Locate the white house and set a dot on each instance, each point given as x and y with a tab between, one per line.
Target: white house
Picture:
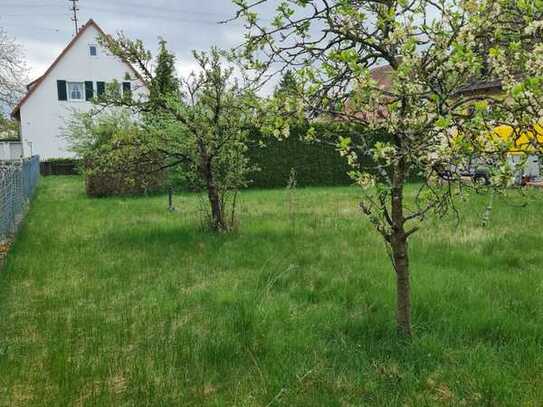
78	74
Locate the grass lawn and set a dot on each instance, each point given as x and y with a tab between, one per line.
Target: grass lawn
118	302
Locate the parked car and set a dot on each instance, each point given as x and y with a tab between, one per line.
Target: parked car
479	174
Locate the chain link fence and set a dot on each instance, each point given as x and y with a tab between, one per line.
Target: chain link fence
18	179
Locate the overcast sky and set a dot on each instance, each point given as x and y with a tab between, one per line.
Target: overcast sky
44	27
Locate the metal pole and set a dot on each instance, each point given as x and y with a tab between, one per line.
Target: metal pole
75	17
170	199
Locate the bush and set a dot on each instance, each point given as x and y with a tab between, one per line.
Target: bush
137	180
114	162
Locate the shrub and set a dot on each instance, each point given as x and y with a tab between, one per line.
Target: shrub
113	163
138	179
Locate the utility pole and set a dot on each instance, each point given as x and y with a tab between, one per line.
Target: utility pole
74	8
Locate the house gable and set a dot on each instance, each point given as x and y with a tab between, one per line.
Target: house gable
89	32
79	73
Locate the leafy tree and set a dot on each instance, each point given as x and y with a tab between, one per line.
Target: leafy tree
12	71
9	129
201	126
403	69
165	81
516	56
287	84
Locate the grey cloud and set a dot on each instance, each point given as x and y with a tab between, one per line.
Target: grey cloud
43	27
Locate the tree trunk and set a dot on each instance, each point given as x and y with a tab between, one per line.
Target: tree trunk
403	288
217	215
400	254
218	222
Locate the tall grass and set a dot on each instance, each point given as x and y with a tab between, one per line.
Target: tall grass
122	302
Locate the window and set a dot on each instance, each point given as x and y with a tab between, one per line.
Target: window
127	88
89	90
100	88
76	91
92	50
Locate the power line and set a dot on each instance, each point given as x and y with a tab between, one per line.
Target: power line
118	6
39	14
162	9
139	10
34	27
138	15
33	6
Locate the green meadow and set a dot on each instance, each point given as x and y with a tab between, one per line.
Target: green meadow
120	302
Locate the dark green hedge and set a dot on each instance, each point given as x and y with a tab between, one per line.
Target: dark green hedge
59	166
315	163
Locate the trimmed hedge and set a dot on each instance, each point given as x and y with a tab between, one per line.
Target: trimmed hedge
315	163
64	166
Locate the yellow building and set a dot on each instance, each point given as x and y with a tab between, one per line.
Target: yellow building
527	145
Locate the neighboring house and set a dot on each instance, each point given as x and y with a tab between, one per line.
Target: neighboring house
532	168
79	73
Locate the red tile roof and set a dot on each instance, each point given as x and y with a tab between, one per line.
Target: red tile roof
382	75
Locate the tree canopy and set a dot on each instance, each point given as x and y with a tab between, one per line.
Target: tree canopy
12	71
405	68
